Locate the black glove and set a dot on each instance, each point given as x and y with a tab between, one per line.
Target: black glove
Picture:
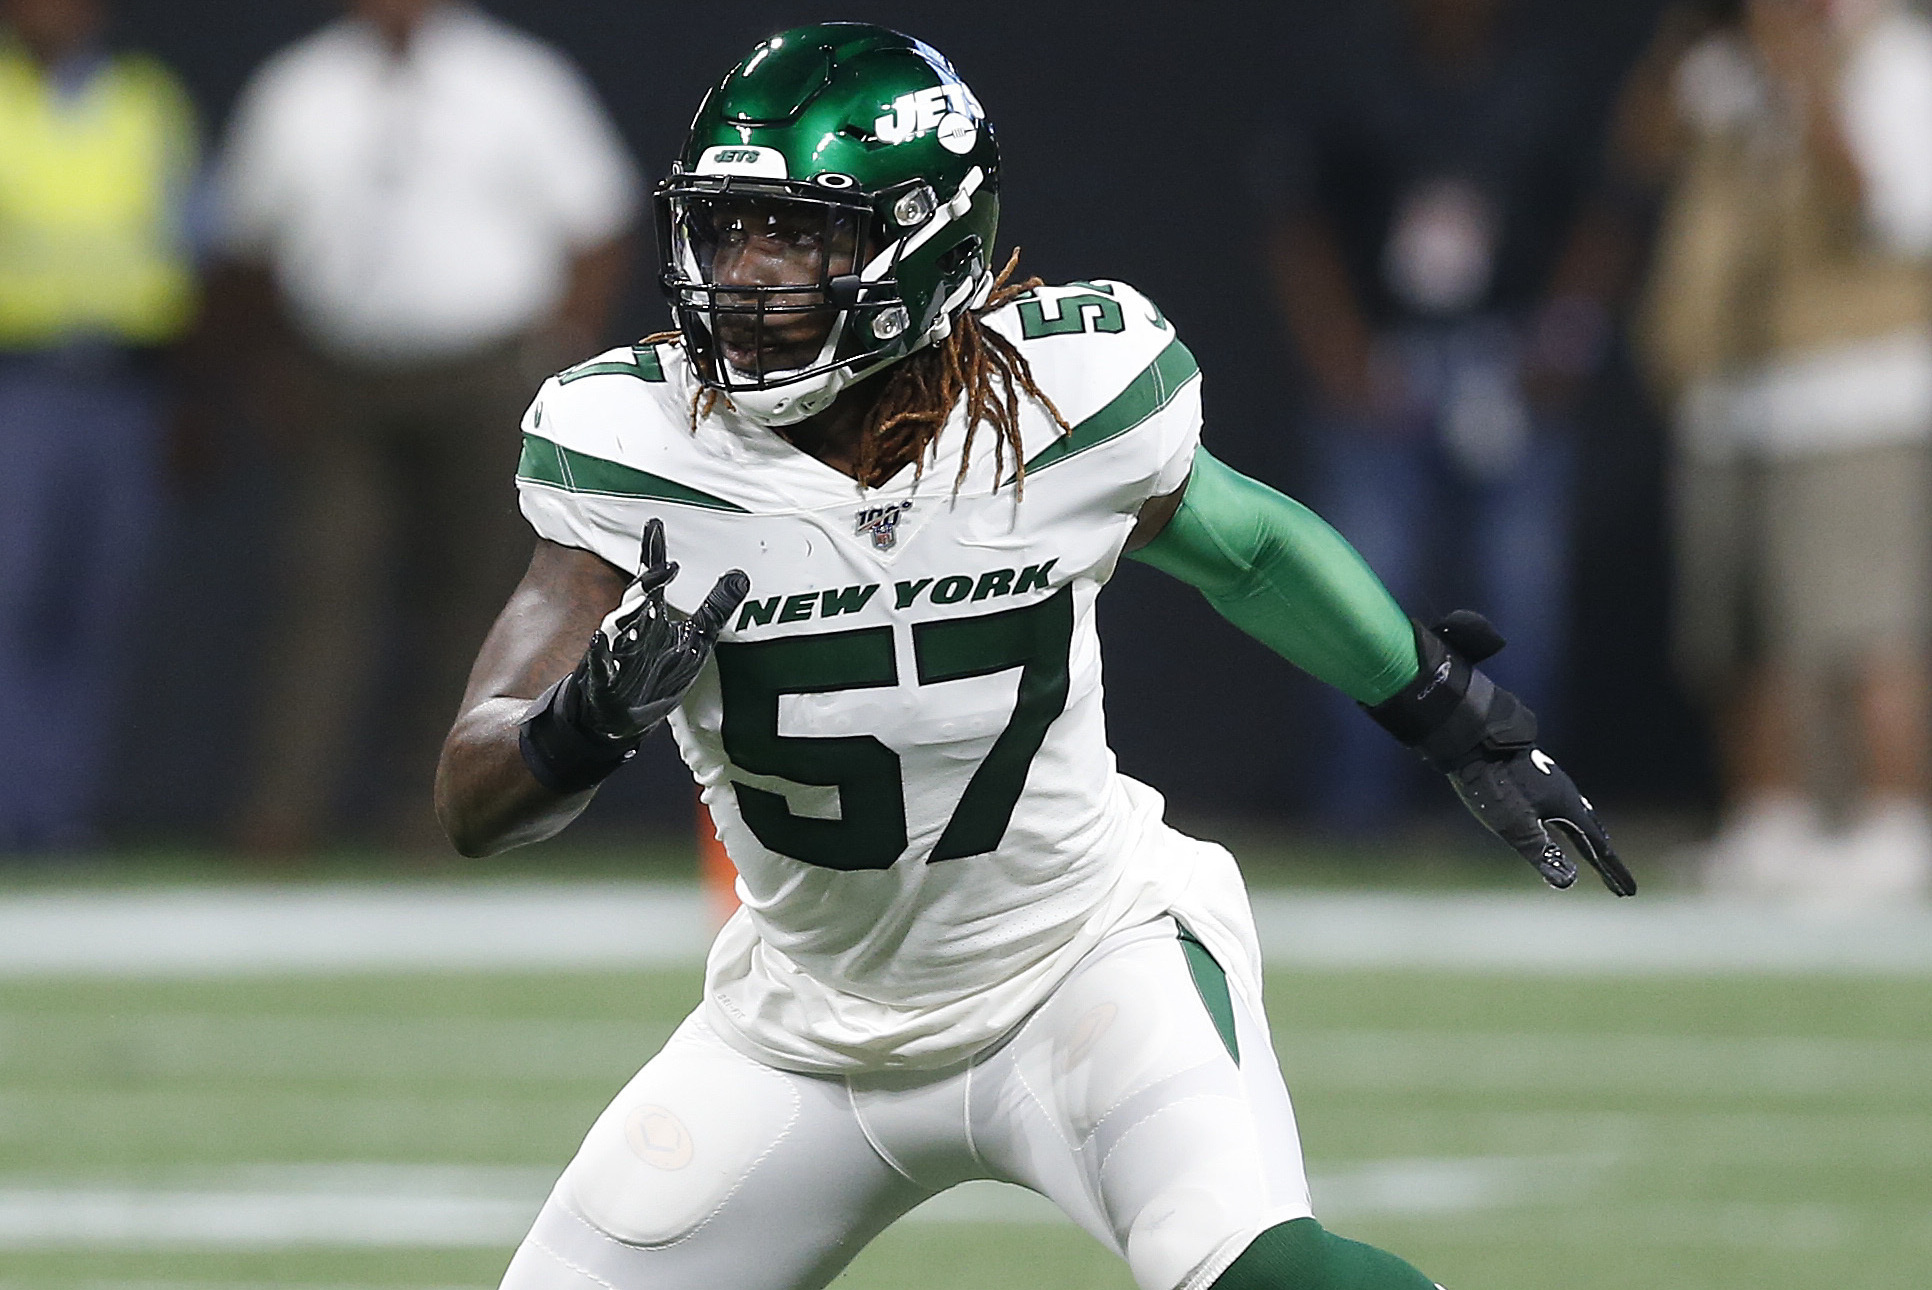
635	671
1484	739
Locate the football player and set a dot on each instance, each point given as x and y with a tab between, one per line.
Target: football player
843	530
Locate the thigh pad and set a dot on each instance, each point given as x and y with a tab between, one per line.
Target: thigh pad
680	1139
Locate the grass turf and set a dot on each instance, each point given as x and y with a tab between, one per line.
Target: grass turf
1500	1132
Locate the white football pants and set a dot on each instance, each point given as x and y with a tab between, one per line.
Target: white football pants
1118	1099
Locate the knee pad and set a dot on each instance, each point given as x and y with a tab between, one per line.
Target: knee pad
1302	1255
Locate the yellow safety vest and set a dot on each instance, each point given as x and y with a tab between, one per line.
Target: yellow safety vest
92	199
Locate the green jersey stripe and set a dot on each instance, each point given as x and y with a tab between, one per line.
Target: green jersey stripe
1211	983
644	365
1145	395
545	462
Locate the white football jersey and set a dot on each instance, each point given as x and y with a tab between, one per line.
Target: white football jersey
900	736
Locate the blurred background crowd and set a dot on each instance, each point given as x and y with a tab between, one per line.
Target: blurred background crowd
1613	322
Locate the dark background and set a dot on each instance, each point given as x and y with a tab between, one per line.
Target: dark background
1135	139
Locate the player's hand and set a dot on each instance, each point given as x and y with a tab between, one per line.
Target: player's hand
642	660
1484	739
639	664
1527	800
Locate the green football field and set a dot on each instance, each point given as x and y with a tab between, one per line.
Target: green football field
1766	1132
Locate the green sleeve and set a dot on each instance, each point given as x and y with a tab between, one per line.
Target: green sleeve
1276	570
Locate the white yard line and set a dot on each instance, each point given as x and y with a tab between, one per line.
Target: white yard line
278	1207
123	1219
258	931
1829	1071
1582	932
368	1049
242	931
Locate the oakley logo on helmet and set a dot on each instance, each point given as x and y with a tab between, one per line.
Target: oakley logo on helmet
761	163
949	109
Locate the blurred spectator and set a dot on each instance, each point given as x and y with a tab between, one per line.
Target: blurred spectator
440	211
1791	327
97	156
1447	267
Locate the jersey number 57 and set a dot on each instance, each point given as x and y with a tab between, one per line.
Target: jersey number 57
870	832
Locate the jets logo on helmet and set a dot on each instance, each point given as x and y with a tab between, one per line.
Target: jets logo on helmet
951	110
864	144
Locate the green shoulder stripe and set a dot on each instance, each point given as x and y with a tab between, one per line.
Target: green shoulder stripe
1145	395
545	462
644	365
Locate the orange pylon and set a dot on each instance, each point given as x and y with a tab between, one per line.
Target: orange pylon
715	870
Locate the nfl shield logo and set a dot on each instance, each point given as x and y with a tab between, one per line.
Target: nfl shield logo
882	522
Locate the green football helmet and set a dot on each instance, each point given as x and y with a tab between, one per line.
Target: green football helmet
867	142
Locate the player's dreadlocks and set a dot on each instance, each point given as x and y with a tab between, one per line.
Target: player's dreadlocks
919	395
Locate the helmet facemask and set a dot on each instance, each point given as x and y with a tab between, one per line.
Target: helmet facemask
783	350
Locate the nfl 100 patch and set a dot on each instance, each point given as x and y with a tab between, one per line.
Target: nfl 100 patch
882	522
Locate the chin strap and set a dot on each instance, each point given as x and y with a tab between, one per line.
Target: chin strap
761	407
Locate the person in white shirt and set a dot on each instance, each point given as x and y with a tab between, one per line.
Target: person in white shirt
437	212
1791	328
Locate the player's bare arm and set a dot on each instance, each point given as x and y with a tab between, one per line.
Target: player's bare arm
486	797
541	729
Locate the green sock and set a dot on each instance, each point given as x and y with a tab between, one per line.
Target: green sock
1300	1255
